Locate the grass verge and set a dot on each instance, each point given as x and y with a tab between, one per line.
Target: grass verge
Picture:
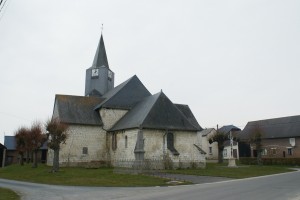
7	194
242	171
78	176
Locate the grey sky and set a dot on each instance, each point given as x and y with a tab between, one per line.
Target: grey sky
230	61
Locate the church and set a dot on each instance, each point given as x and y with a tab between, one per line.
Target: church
111	124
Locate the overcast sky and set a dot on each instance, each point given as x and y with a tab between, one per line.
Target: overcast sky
230	61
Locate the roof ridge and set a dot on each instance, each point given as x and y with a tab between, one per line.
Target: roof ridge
174	106
114	91
150	108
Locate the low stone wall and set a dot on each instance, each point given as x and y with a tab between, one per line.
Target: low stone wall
151	165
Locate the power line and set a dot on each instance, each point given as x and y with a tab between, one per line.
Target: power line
14	116
2	7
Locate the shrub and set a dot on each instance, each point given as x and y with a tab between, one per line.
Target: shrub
271	161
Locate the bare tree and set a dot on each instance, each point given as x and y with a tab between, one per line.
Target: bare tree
256	134
21	136
36	140
220	138
57	135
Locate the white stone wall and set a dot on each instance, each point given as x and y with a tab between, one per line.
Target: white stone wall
79	136
123	152
155	145
184	144
214	146
111	116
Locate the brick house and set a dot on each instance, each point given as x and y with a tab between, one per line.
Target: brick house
280	137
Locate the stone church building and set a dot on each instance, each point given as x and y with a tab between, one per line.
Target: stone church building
112	124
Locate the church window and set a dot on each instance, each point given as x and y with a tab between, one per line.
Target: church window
126	141
290	152
170	144
84	150
114	141
210	150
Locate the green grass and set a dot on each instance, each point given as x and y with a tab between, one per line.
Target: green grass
78	176
242	171
106	177
7	194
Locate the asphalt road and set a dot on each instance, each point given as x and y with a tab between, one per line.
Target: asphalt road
282	187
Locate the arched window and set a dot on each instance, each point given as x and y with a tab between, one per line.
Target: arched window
126	141
114	141
170	144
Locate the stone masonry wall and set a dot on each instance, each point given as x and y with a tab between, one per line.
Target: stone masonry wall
155	145
111	116
92	138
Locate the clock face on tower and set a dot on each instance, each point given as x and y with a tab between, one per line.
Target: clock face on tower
95	72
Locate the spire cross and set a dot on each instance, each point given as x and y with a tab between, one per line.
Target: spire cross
101	28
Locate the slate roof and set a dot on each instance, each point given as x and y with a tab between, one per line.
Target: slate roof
125	95
2	146
206	131
10	143
155	112
94	92
227	143
78	109
284	127
185	109
100	58
226	129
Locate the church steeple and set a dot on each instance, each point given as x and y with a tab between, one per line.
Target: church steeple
100	58
99	78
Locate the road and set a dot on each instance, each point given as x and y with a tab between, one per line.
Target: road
276	187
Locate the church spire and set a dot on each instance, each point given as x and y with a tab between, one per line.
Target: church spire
100	58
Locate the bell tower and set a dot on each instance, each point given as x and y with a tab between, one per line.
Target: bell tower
99	78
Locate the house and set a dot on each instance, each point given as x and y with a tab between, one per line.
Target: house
125	123
2	155
233	130
210	149
12	155
280	137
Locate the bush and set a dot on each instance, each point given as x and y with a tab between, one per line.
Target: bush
271	161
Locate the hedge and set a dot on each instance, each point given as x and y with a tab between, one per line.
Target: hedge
271	161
